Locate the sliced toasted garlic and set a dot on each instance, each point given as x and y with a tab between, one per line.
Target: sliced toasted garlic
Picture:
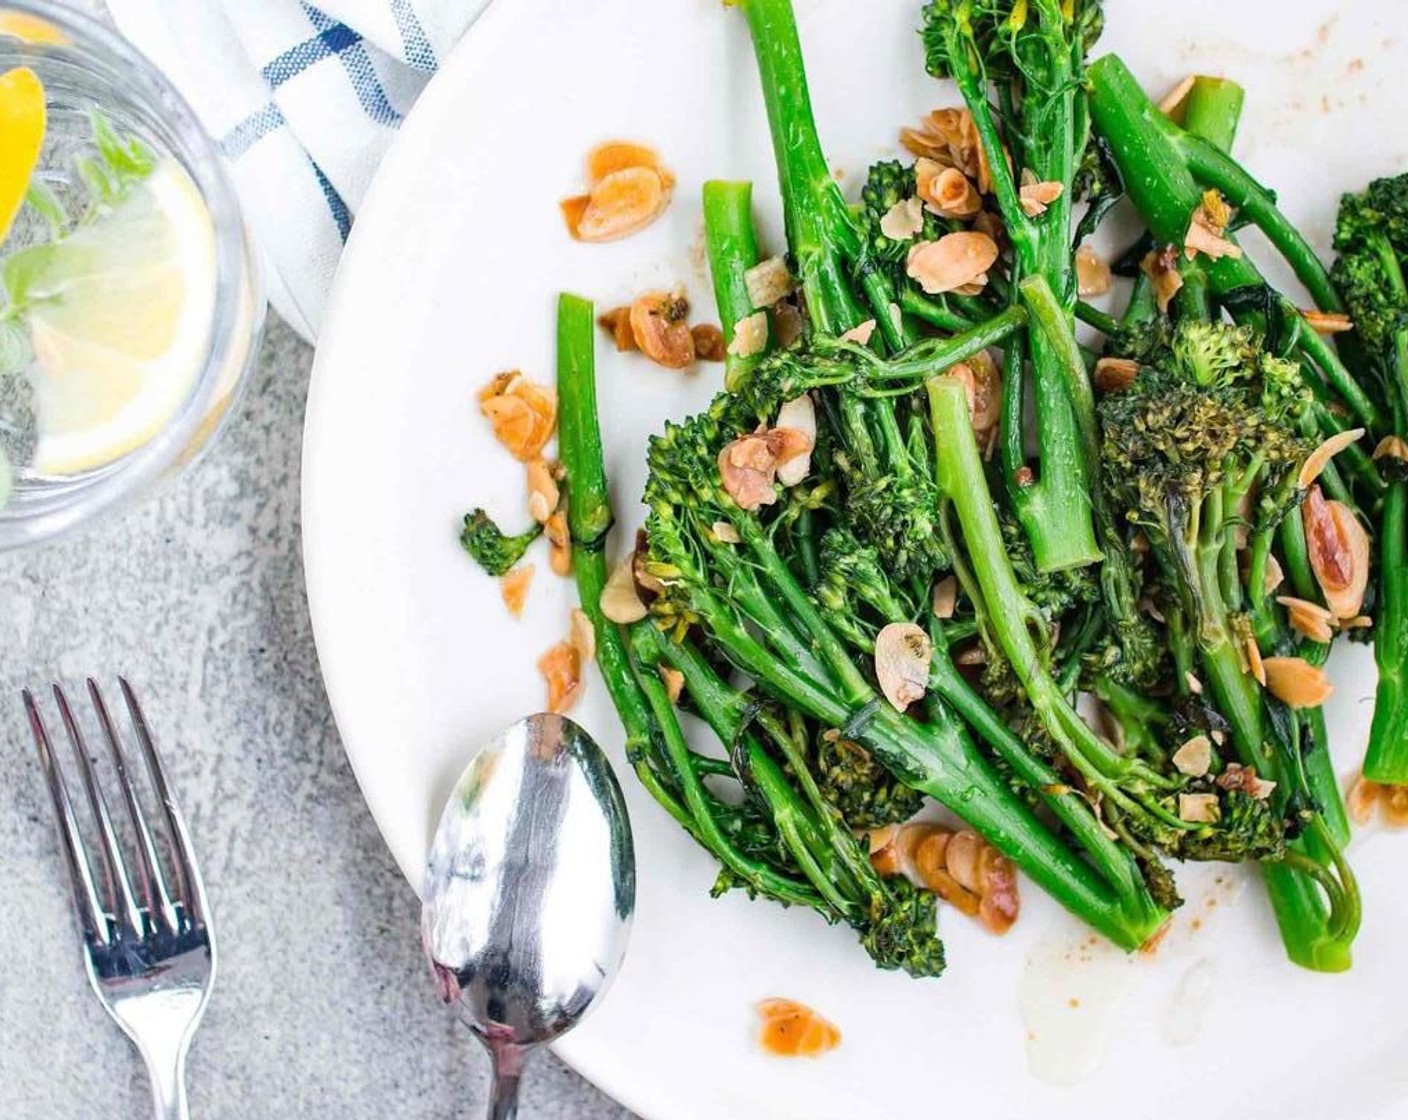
1392	447
1206	229
708	342
522	413
1173	100
619	204
674	682
884	851
1244	778
1161	267
1194	757
617	323
659	321
1036	197
945	597
620	601
1339	552
1308	619
543	492
1199	808
903	220
1328	322
750	335
797	415
618	155
903	654
1296	682
1318	459
860	333
749	465
1093	275
931	868
946	191
1273	576
582	634
560	540
769	281
725	533
1114	375
951	262
1362	799
561	667
513	586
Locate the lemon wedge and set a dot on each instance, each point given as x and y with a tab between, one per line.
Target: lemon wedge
22	121
119	317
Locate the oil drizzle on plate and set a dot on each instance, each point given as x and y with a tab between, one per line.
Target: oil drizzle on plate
1183	1017
1069	993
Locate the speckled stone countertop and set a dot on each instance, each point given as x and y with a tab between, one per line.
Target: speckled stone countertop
322	1007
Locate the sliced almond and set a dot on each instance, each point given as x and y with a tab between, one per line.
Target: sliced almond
583	634
674	682
1328	322
1358	622
903	220
620	601
1318	459
1036	197
953	261
708	342
1195	686
617	323
618	155
725	533
769	281
1199	808
748	468
514	588
1114	375
1308	619
1362	799
1173	100
1194	757
946	191
1206	229
1161	267
1256	666
543	492
560	540
903	654
750	335
572	211
561	668
1296	682
1093	275
861	333
1244	778
620	204
659	321
882	849
788	323
523	414
945	597
797	415
1392	447
1274	576
1339	552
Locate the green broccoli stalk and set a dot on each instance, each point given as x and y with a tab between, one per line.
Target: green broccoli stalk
1167	169
1371	238
1033	52
731	245
488	545
1180	445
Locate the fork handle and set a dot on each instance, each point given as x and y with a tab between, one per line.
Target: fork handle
168	1080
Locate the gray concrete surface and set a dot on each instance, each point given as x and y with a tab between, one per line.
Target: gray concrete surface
322	1008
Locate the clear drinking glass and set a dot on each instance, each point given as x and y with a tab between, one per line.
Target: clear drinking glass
130	301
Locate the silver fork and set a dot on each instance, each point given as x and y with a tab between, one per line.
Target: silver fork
147	938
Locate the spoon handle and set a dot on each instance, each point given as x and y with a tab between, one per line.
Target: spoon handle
507	1065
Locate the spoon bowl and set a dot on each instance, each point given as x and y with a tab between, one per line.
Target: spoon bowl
529	891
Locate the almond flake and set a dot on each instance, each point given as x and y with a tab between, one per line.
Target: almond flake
1255	665
617	323
945	597
860	333
946	191
1114	375
1036	197
1195	686
1194	757
768	281
620	601
1392	447
543	493
1296	682
1199	808
583	634
1358	622
953	261
1274	576
618	155
523	414
560	540
561	668
620	204
1206	229
1310	620
725	533
1093	275
1339	552
513	586
708	342
1318	459
1160	265
798	415
903	220
903	654
1173	100
750	335
1328	322
674	682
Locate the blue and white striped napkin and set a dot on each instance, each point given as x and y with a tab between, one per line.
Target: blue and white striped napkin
304	100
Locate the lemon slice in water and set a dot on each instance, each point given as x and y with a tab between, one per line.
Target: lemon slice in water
22	121
119	317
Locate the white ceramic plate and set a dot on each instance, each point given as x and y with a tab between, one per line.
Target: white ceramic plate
451	274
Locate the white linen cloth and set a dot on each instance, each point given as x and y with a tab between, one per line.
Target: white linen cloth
304	99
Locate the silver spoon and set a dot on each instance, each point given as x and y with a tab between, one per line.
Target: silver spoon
529	892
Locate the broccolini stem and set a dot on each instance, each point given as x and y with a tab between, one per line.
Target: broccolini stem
1094	317
1387	757
1213	110
732	247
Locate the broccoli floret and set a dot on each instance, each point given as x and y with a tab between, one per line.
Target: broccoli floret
491	549
903	936
863	792
1247	829
1053	593
888	184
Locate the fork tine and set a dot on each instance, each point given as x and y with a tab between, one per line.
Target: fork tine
121	902
190	889
85	891
150	879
